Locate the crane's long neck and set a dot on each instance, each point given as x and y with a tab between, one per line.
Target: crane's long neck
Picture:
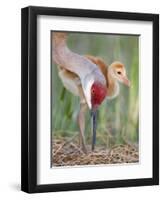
87	71
59	48
74	62
113	85
63	56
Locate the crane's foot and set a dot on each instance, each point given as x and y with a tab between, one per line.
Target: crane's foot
84	149
82	145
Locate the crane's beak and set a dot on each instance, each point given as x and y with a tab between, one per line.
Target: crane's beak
126	81
94	126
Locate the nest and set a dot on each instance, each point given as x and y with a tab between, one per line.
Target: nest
68	153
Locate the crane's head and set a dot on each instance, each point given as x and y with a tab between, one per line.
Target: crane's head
95	91
98	94
118	72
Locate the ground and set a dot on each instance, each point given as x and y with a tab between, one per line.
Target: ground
66	152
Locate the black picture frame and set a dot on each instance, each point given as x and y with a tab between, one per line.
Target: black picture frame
29	98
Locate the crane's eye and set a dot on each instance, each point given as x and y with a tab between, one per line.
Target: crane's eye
93	91
119	72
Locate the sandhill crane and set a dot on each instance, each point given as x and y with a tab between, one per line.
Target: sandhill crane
87	77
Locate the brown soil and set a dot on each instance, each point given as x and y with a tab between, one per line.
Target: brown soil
68	153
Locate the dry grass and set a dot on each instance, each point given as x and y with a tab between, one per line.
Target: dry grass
67	153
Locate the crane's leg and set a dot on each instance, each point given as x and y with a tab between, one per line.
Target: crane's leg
81	123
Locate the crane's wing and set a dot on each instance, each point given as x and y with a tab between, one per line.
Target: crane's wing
87	71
